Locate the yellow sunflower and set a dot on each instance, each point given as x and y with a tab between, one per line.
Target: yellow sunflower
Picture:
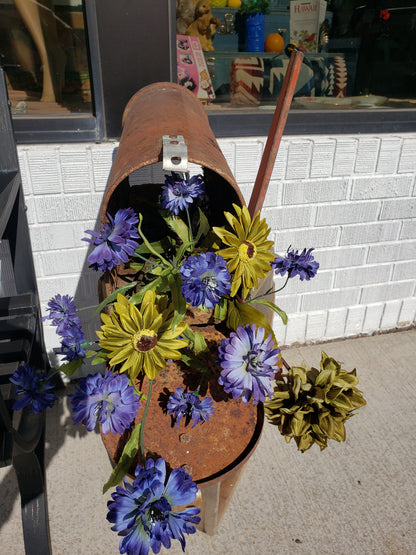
141	339
248	254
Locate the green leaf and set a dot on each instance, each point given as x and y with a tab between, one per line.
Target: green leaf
156	246
273	307
220	310
70	368
196	339
100	358
137	267
189	245
177	298
149	245
127	456
200	345
179	227
89	354
193	363
243	314
113	296
204	227
137	297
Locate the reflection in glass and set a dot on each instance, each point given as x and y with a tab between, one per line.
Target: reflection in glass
358	55
44	55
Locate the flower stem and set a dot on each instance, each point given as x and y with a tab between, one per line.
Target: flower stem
142	449
148	245
271	292
149	261
191	237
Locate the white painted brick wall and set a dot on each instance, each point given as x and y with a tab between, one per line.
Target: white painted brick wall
391	314
353	198
372	318
355	320
335	323
408	230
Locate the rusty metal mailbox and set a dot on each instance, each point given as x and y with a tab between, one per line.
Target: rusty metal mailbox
165	118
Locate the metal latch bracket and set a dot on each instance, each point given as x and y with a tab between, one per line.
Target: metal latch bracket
175	154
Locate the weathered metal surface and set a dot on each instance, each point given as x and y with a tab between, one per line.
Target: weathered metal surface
275	134
165	109
175	154
209	451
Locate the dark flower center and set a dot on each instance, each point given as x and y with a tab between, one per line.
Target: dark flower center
246	251
253	360
144	340
209	281
158	511
97	409
155	514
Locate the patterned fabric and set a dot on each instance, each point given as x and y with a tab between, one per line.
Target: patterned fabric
254	80
246	80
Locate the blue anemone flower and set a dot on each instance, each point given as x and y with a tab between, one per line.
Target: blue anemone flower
72	343
189	405
303	265
142	511
179	192
34	388
107	399
206	279
62	312
115	242
249	363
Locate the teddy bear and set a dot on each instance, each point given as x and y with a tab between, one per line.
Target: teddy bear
185	14
204	25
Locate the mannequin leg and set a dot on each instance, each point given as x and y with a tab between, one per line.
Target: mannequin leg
53	73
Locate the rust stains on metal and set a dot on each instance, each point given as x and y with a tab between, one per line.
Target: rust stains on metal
212	449
165	109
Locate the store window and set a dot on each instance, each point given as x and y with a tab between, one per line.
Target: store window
43	49
101	52
358	55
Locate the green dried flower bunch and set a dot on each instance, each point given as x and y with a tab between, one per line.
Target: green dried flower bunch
312	405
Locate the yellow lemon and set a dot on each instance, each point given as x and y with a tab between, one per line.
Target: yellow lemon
234	3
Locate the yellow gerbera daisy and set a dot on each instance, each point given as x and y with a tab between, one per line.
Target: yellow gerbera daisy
141	339
248	254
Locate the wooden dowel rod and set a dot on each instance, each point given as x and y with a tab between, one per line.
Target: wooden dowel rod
275	134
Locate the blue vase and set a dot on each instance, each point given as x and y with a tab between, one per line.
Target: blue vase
255	32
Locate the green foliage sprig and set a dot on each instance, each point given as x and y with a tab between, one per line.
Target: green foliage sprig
254	6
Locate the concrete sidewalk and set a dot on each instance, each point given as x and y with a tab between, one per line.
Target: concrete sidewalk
354	498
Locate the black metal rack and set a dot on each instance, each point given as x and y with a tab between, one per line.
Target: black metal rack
22	435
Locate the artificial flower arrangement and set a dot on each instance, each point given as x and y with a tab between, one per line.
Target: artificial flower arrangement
214	270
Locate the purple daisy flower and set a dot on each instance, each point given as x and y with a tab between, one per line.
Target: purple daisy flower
206	279
249	363
34	388
142	511
115	242
294	264
108	399
189	405
179	193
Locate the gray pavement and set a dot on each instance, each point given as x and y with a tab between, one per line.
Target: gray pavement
354	498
